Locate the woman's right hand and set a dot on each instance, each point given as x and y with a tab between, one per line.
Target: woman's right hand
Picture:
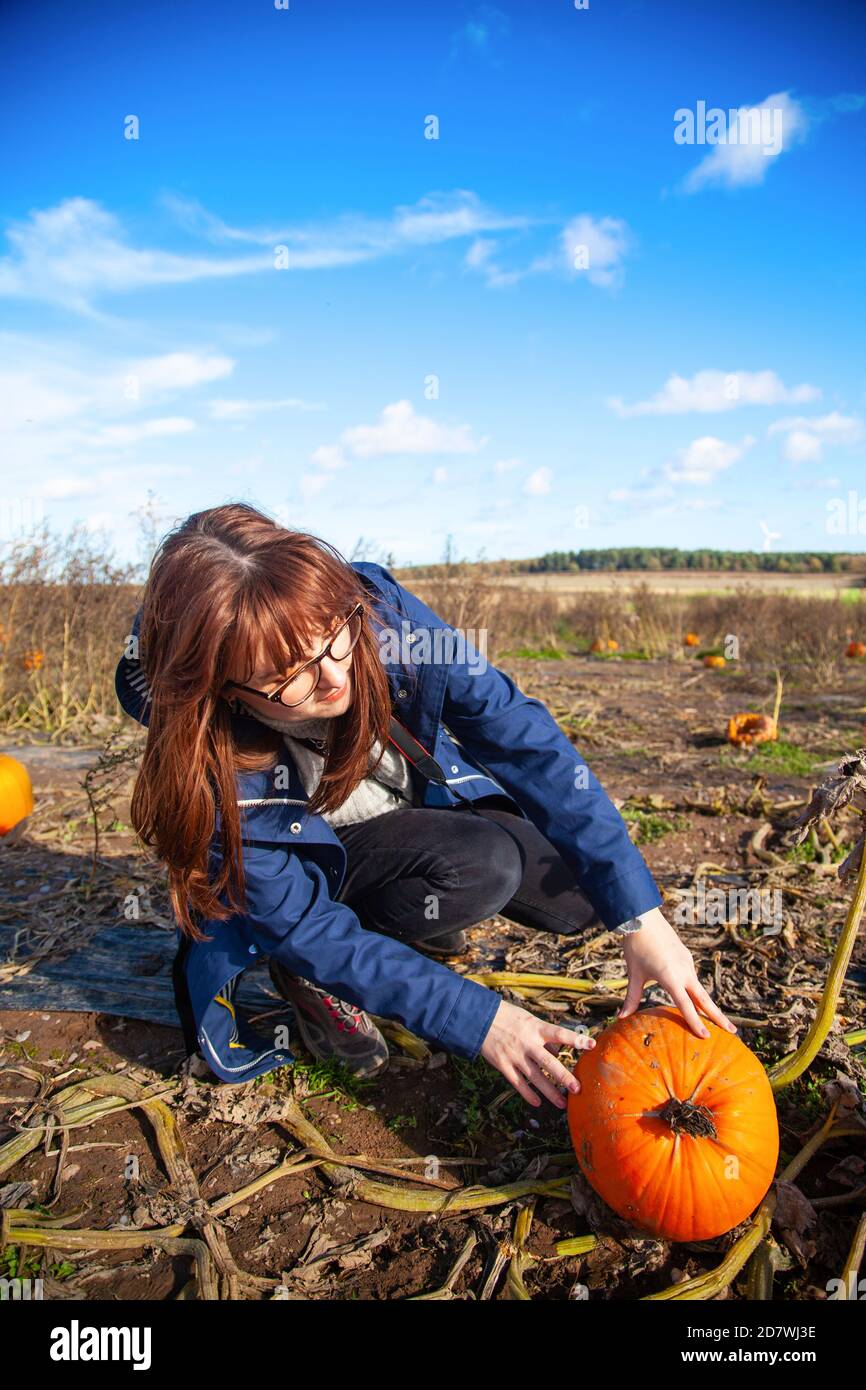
519	1045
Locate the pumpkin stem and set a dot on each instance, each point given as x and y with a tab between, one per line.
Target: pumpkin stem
686	1118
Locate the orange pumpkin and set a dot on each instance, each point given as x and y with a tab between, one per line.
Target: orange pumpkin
612	645
32	660
856	649
744	730
598	646
678	1134
16	793
691	639
716	663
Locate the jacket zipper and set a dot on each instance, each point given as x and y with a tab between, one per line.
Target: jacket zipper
274	801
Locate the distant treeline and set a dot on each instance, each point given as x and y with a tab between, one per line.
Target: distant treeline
662	558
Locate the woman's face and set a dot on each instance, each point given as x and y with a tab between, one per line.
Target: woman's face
331	697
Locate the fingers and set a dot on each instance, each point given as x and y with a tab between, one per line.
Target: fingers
688	1011
710	1007
632	995
555	1037
534	1073
521	1085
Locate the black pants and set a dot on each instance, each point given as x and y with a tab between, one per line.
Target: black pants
417	872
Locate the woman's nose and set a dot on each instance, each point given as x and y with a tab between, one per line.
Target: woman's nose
334	672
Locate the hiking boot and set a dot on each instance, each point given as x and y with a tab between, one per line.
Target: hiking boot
330	1027
449	943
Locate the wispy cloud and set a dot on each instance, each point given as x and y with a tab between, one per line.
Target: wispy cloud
807	436
711	391
538	483
437	217
76	252
247	409
587	248
696	465
62	427
481	35
399	430
751	139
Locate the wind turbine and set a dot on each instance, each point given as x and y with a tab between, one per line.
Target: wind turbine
769	536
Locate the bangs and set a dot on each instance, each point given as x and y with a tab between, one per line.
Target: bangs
277	626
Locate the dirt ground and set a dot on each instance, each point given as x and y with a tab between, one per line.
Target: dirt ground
654	734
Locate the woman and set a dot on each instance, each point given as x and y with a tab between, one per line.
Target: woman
338	782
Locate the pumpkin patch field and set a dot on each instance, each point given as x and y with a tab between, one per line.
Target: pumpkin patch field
729	1168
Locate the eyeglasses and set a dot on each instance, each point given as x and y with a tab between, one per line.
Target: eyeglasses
300	686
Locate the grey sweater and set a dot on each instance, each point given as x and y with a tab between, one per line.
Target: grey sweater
388	788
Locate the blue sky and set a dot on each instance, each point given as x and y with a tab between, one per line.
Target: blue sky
553	326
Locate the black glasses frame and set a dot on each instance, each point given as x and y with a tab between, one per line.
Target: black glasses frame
275	696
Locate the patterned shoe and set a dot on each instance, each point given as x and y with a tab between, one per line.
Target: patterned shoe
330	1027
449	943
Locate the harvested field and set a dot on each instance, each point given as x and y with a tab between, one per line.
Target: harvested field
232	1192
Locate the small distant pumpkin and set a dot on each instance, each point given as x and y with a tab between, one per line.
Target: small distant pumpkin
598	646
691	639
612	645
16	793
678	1134
32	660
744	730
715	662
856	650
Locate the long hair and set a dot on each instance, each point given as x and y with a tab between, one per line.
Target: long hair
224	585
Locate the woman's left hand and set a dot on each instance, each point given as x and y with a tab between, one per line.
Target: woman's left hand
655	952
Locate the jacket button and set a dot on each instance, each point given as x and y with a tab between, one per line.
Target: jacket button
254	950
295	827
455	768
401	694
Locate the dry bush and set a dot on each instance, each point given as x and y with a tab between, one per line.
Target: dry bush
65	609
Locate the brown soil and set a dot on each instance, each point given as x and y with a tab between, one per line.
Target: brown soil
653	732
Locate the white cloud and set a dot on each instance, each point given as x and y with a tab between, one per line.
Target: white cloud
702	460
398	431
329	456
243	410
587	248
77	251
63	489
310	484
596	248
506	465
711	391
178	371
807	436
696	465
538	483
440	476
437	217
752	137
62	426
122	436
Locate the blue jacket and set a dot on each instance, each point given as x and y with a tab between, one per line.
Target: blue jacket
489	738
